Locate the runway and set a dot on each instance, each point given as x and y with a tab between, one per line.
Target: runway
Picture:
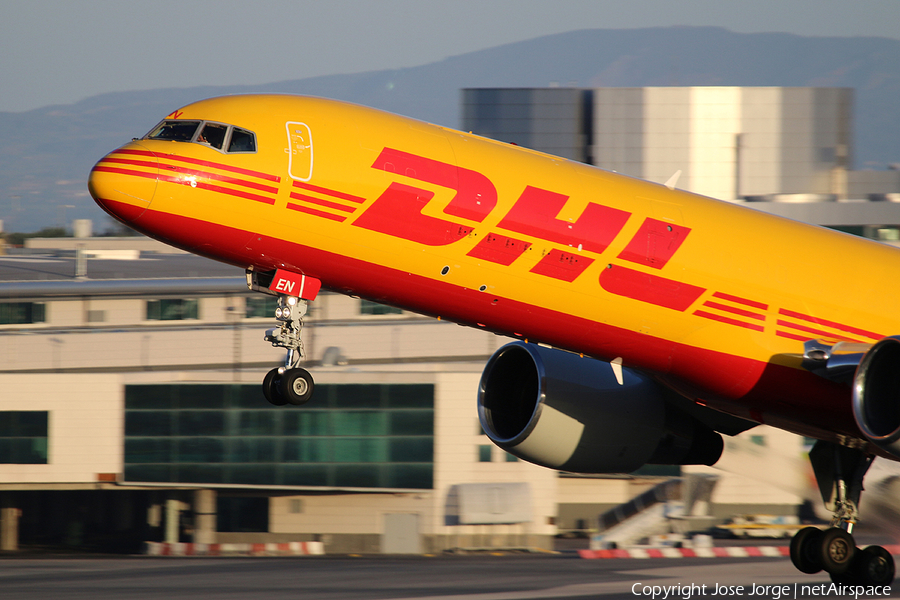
407	578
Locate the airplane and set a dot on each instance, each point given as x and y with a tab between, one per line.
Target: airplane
649	321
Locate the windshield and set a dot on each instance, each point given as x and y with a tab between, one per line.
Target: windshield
222	137
242	141
180	131
213	134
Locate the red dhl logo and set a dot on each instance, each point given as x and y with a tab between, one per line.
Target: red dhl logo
398	213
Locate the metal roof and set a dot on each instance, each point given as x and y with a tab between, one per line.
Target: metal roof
122	287
52	274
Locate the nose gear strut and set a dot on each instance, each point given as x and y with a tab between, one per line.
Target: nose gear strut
288	384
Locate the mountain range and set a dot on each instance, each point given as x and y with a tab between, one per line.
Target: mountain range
46	153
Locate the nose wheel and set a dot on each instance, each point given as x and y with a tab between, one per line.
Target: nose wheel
272	388
288	386
839	472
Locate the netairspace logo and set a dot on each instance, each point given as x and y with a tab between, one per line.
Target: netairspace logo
773	592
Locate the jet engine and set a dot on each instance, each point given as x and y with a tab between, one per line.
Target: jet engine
576	414
876	395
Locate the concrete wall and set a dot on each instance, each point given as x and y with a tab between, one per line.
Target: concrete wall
457	438
715	114
761	164
85	427
618	130
728	142
667	128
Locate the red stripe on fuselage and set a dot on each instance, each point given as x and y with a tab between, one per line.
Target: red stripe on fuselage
320	202
734	310
328	192
793	336
318	213
193	173
814	331
216	188
739	300
121	171
202	163
729	321
835	325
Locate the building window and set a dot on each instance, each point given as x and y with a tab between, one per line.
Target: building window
260	306
485	453
366	307
22	313
352	435
511	457
23	437
242	514
174	309
96	316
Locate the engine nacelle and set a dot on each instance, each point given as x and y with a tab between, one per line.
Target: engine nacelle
565	412
876	395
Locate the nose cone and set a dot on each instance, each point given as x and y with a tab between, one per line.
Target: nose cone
124	181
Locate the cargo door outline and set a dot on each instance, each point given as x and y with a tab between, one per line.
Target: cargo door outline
299	150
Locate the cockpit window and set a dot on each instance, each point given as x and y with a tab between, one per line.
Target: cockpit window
179	131
222	137
213	134
242	141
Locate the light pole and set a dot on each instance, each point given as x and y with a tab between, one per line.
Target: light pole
62	213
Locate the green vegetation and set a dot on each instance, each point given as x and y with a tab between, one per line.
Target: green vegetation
18	239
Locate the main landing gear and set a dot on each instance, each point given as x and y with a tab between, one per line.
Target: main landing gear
839	472
287	384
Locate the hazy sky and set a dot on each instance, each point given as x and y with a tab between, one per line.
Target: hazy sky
60	51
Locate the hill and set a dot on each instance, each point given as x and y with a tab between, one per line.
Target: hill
45	154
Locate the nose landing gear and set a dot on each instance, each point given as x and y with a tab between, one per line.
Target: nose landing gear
839	472
287	384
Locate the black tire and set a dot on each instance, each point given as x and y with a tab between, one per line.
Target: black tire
271	388
805	550
297	386
872	566
837	550
875	566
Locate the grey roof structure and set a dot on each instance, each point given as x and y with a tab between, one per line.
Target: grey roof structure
48	273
